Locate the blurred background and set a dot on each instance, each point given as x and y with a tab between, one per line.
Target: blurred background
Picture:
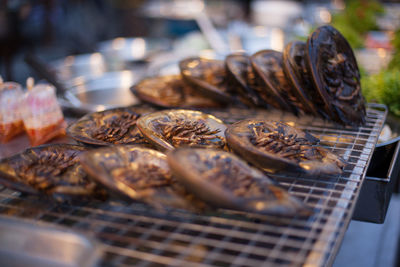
97	38
89	46
55	29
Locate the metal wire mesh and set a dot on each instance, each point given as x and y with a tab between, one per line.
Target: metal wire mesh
135	234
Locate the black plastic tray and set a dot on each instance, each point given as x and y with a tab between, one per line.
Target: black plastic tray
381	180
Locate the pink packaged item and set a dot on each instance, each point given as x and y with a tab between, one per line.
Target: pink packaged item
42	115
10	115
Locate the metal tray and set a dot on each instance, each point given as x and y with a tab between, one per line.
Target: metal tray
23	243
382	176
107	91
137	235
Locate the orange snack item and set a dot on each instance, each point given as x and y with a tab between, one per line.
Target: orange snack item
42	115
10	115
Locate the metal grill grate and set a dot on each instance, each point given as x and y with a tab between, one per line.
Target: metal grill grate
138	235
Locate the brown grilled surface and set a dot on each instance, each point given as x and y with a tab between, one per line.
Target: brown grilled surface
138	173
173	128
51	170
294	62
207	76
171	91
273	85
277	147
180	132
241	77
138	235
113	126
226	181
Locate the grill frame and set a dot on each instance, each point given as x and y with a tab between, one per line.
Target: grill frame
182	238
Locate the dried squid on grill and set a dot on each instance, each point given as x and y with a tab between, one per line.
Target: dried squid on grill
273	86
294	63
335	74
171	91
242	78
169	129
113	126
53	170
223	180
140	174
276	146
208	77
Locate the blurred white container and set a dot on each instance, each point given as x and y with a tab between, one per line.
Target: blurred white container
42	115
275	13
10	115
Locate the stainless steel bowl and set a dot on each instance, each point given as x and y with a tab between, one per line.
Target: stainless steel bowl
100	92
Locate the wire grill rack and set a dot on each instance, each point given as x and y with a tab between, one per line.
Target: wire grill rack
135	234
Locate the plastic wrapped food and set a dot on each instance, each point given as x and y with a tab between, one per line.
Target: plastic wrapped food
42	115
10	115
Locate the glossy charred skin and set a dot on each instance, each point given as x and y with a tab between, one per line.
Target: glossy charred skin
224	181
242	78
140	174
170	91
276	146
52	170
109	127
336	76
294	62
169	129
274	87
208	77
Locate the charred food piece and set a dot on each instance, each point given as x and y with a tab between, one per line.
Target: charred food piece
113	126
274	87
171	91
276	146
169	129
242	78
335	74
294	62
140	174
53	170
208	77
223	180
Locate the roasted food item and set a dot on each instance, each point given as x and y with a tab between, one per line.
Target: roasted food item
140	174
276	146
294	63
242	78
334	71
53	170
113	126
223	180
208	77
169	129
171	91
274	87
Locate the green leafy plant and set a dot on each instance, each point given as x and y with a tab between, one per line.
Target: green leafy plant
383	87
395	62
358	18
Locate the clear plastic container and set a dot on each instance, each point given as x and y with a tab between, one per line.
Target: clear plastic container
10	116
42	115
